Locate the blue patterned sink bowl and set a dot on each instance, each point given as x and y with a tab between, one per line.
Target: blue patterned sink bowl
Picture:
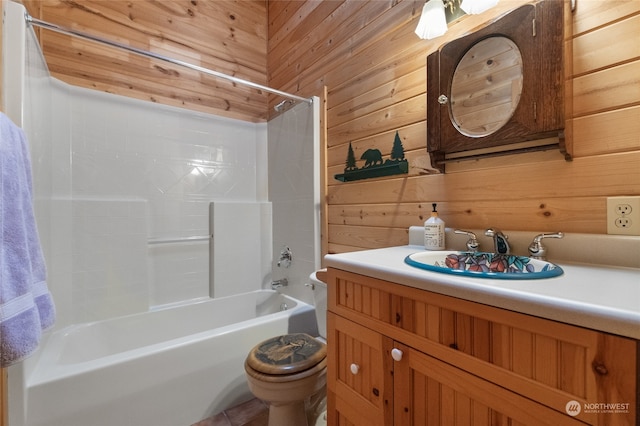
484	265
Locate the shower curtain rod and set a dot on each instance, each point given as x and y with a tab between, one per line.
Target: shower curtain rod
47	25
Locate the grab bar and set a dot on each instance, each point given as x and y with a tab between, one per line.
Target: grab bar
179	239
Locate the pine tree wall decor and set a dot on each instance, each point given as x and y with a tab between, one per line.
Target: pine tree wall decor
374	165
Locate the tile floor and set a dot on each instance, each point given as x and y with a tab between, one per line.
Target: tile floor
251	413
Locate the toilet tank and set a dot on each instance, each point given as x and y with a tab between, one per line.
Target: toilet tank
320	300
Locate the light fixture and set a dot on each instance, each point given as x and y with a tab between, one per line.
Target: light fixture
433	22
436	14
475	7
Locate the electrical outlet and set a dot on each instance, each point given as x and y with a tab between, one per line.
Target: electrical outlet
623	209
623	215
622	222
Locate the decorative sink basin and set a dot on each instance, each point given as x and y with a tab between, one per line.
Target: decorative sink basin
484	265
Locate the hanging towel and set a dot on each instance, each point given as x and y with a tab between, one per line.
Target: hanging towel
26	306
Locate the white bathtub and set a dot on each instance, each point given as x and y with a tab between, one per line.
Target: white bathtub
171	367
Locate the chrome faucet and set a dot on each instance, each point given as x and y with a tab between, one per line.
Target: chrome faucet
472	242
500	243
279	283
539	251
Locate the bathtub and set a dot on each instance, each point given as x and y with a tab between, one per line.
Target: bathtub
172	366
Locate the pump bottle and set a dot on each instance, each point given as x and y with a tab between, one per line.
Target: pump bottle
434	231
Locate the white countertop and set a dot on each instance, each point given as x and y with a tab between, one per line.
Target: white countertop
594	296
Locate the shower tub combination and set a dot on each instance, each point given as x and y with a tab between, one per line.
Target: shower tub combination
173	366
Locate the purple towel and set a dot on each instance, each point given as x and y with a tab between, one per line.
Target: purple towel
26	306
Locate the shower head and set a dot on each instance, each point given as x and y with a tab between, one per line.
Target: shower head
281	106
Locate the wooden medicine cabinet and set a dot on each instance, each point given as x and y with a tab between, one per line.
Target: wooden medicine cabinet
499	90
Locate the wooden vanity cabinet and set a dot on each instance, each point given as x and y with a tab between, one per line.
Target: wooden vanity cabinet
466	363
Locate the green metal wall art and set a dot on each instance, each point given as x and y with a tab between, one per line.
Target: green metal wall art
374	165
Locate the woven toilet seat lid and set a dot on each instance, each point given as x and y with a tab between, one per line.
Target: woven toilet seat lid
286	354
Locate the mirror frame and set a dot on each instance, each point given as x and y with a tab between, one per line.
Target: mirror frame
537	30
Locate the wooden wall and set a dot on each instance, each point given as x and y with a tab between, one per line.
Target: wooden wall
366	55
373	65
222	35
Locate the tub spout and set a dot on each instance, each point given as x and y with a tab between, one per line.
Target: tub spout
279	283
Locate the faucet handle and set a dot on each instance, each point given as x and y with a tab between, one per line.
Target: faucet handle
536	249
492	232
472	242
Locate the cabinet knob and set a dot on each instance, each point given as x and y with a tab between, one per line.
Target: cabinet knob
355	368
601	369
396	354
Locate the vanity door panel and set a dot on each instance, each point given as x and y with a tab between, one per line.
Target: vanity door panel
430	392
359	373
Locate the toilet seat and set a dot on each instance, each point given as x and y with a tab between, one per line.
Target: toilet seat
286	358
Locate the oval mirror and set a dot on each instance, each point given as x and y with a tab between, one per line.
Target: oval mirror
486	87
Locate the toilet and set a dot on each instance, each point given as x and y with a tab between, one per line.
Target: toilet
289	372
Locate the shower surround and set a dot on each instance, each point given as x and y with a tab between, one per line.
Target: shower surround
131	173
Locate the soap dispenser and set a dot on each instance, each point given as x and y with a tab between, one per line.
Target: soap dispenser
434	231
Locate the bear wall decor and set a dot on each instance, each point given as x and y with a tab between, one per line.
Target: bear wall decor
374	165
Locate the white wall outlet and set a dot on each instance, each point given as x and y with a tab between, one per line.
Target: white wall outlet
623	215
